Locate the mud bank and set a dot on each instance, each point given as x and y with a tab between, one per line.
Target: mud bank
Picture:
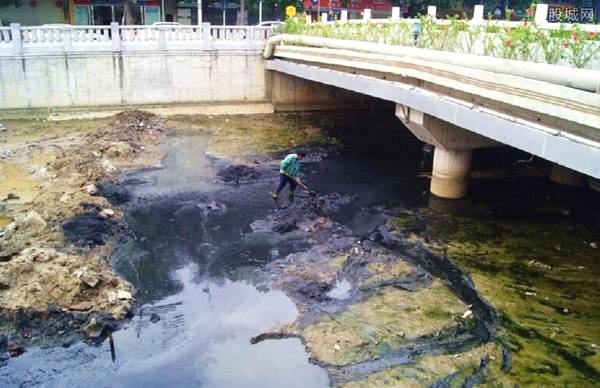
56	186
364	279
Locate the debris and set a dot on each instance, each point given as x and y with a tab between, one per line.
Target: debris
467	314
154	318
112	297
5	280
15	348
107	213
82	306
31	220
124	295
91	189
90	278
593	245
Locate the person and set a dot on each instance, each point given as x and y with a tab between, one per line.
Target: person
289	171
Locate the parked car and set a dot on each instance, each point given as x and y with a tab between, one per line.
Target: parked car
166	24
270	23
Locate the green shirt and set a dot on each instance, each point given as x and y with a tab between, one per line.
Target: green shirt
290	165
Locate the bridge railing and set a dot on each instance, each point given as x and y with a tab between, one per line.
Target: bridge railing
20	40
532	40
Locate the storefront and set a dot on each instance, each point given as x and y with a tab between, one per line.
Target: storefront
104	12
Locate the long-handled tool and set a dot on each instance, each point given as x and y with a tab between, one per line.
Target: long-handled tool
310	192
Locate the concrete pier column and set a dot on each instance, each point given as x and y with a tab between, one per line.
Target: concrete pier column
450	176
566	176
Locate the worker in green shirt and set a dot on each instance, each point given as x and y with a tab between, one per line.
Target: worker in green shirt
289	170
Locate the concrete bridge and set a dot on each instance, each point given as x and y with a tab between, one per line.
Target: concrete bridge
456	102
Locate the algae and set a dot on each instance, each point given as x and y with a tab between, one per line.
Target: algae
542	275
382	323
241	135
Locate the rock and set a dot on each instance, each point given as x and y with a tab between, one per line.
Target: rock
539	265
108	166
118	149
566	311
15	348
82	306
31	221
90	278
5	280
154	317
91	189
112	297
467	314
35	287
107	213
92	329
124	295
12	196
41	255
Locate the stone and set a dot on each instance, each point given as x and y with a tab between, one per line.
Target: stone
124	295
112	297
82	306
91	189
154	317
108	166
90	278
12	196
15	348
92	329
32	221
5	280
41	255
107	213
118	149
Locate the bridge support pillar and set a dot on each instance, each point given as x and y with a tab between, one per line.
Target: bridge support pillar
566	176
450	175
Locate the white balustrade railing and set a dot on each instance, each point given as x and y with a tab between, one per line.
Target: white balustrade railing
18	40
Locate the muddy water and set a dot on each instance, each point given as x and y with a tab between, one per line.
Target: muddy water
197	266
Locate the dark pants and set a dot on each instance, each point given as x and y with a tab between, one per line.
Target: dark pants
283	180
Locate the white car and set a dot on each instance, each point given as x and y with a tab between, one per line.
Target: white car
166	24
270	23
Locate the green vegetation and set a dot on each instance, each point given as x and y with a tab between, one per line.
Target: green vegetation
543	278
570	46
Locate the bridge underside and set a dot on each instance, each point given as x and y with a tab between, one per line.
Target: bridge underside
455	126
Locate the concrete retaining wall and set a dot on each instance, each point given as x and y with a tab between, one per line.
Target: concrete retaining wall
101	79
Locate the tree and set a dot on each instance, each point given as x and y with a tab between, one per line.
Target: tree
10	3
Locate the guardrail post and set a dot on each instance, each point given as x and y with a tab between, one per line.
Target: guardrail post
17	39
66	38
115	36
344	16
477	14
432	11
162	38
308	19
324	17
206	36
395	14
366	15
541	14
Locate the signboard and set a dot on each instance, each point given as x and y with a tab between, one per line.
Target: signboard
570	14
290	11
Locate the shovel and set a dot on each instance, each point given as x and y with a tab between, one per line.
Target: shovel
310	192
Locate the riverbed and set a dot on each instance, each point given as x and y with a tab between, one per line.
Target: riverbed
385	285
